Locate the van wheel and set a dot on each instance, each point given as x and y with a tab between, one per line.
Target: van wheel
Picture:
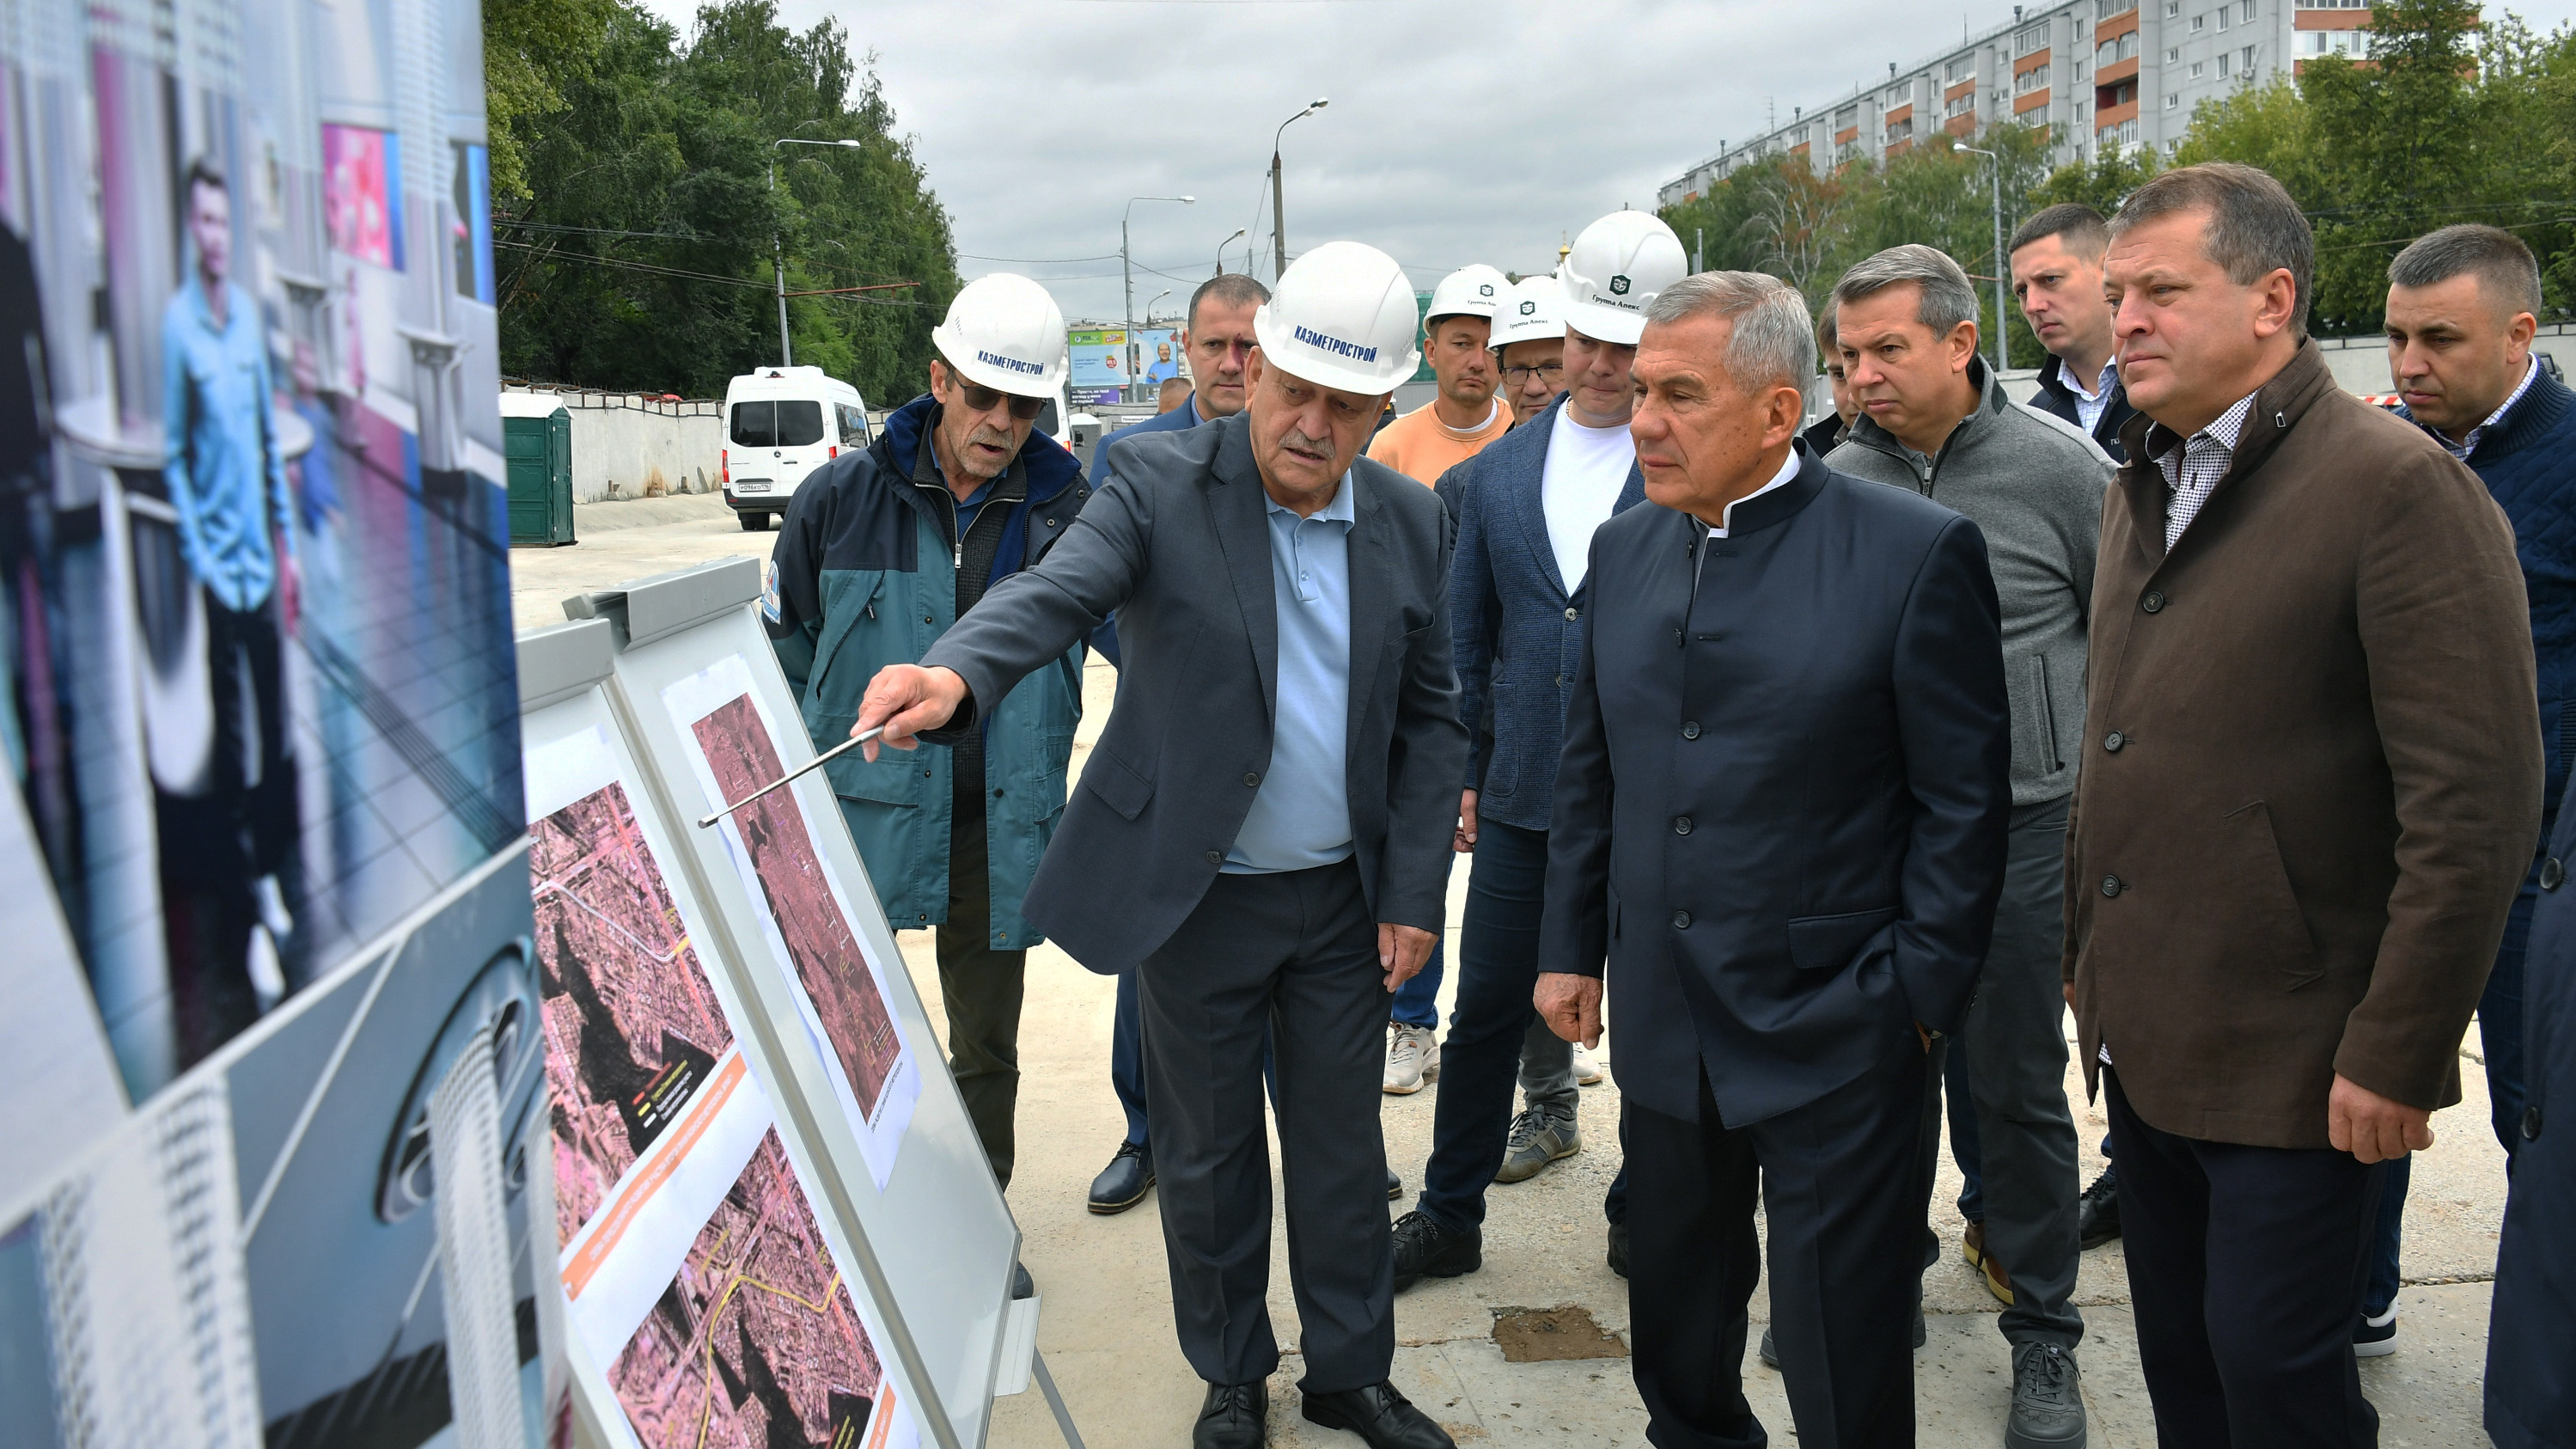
755	522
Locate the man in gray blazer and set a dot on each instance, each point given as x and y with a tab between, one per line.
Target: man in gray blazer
1263	832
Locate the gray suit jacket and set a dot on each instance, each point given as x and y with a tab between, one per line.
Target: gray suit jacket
1178	542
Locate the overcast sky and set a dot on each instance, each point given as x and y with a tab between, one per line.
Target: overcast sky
1459	130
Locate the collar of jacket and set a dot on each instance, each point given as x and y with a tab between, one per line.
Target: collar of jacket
1991	402
1050	468
2278	406
2052	377
2538	411
1766	510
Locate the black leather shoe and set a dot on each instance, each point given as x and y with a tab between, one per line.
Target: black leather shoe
1235	1416
1380	1415
1125	1181
1394	1185
2097	1213
1619	1249
1425	1247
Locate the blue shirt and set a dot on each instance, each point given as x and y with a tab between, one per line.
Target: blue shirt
215	406
1301	815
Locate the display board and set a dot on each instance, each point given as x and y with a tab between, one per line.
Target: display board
710	1304
782	923
275	1126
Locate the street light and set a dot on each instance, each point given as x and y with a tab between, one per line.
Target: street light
1149	307
1221	246
1279	223
1128	272
2003	328
778	246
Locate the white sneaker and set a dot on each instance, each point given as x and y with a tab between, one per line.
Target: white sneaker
1412	1059
1587	1072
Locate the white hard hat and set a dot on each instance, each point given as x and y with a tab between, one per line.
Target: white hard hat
1615	269
1470	291
1533	312
1005	332
1341	317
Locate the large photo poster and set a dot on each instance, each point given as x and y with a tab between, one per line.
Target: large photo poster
259	734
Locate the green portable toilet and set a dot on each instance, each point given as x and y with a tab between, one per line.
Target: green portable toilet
536	438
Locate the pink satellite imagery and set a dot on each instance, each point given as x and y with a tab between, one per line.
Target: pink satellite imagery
819	939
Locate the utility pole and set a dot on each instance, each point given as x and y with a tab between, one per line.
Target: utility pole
777	242
1699	249
2003	264
1278	220
1127	340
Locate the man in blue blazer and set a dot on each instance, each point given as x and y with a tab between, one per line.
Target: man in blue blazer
1781	812
1218	341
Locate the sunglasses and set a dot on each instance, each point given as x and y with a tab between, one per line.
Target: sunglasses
976	398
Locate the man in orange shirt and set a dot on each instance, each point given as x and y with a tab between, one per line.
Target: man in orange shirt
1465	414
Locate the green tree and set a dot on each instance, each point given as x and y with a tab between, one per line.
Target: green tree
2102	183
642	254
531	49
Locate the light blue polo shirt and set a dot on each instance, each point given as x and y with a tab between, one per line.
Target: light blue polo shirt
1301	816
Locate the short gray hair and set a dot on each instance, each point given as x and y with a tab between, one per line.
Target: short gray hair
2254	228
1943	297
1769	341
1227	289
2508	275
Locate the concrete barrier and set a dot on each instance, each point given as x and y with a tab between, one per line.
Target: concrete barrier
638	445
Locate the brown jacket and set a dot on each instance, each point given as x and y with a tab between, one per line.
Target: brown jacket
2312	773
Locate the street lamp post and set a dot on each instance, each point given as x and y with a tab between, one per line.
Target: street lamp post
778	245
1127	272
1221	246
1278	222
2003	264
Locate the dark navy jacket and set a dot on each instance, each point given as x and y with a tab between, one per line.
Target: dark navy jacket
1782	806
1516	632
864	575
2058	400
2530	1392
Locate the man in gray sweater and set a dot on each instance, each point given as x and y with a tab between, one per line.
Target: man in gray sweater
1934	418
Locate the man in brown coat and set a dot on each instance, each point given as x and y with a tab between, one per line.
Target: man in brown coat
2311	788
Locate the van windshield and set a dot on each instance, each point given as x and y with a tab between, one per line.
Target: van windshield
788	423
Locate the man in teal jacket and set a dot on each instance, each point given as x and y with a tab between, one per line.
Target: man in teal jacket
879	553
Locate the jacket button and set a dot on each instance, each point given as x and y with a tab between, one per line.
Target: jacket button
1681	825
1251	780
2531	1123
1216	857
2113	741
1690	729
1681	920
2152	602
1560	681
2111	885
1573	613
2553	874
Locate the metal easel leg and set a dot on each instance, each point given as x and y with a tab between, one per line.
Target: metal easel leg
1055	1401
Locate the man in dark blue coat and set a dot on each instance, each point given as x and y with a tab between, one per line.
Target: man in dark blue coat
1218	342
1781	811
2462	312
2531	1396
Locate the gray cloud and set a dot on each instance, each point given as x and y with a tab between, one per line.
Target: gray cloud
1459	131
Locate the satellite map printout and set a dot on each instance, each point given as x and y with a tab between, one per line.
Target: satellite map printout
756	1342
633	1029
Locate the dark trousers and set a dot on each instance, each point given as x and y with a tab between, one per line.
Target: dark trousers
2245	1270
1845	1218
982	987
2015	1065
1491	1025
1293	955
2500	1041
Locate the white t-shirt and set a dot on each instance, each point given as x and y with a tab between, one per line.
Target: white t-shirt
1586	468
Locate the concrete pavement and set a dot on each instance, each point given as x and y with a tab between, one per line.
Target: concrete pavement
1106	1327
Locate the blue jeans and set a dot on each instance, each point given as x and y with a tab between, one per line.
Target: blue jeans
1417	1002
2500	1032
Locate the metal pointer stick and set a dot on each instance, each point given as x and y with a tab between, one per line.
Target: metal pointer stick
844	747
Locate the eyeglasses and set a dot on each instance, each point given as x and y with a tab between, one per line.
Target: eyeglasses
1548	372
976	398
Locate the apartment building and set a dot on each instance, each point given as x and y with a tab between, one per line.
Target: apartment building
2101	74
